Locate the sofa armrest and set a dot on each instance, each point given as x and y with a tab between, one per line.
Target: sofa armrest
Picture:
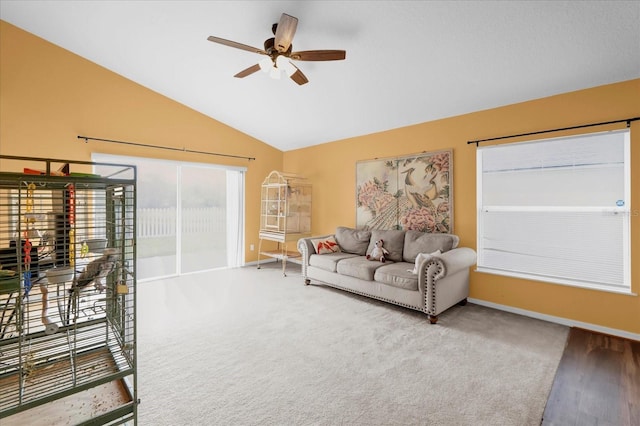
447	263
305	247
458	259
442	281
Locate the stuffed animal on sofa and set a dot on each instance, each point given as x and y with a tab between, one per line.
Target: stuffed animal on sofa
378	253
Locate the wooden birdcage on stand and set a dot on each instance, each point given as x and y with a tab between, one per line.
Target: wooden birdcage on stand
285	214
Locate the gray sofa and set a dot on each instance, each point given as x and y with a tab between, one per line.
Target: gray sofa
441	281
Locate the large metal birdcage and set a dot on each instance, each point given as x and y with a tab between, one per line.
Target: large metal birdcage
67	292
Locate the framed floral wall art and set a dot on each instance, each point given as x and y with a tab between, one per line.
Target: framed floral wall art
410	192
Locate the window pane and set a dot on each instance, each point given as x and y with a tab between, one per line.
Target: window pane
581	246
575	186
582	150
157	186
204	218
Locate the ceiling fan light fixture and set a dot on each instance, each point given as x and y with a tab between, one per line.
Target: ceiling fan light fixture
266	64
274	73
283	63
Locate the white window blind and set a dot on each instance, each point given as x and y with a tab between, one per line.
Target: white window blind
557	210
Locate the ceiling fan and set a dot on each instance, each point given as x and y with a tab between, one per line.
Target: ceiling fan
279	53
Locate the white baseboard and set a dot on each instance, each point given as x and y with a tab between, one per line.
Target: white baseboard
558	320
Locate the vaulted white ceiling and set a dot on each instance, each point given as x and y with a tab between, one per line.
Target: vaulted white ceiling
407	61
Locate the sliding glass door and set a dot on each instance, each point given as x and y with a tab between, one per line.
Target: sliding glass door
190	216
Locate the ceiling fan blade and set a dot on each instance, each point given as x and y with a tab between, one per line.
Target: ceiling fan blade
285	32
236	45
299	77
248	71
319	55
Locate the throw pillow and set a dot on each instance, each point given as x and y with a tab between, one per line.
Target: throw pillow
423	242
423	256
393	242
325	245
352	240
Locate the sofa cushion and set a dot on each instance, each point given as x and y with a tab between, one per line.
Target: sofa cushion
359	267
397	275
352	240
325	245
423	242
329	261
393	241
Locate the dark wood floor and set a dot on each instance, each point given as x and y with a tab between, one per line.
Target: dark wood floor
597	382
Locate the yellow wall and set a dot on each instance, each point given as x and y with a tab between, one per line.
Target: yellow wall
334	200
49	96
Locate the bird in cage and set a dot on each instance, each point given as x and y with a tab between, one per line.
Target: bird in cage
97	270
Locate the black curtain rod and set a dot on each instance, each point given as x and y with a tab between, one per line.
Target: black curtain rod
627	120
87	139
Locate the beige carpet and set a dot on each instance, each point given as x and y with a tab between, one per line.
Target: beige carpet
251	347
